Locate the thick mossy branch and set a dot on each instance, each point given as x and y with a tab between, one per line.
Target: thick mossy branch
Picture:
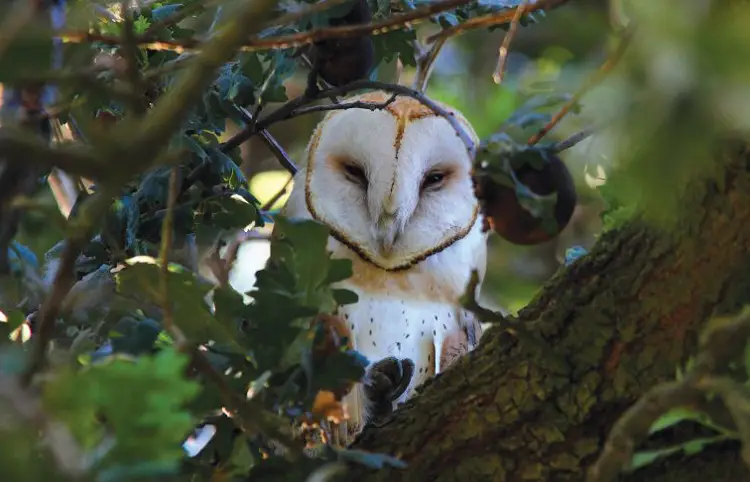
624	317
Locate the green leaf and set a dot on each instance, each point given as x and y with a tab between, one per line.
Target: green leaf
648	457
147	429
187	296
345	297
140	25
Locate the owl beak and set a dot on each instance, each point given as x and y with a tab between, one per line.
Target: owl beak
389	229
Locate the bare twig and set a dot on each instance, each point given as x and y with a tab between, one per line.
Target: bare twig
345	105
64	280
494	19
395	22
425	62
720	345
130	56
167	228
22	147
573	140
270	142
291	109
597	77
221	266
502	54
274	199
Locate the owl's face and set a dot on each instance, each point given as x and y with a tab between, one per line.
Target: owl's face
394	184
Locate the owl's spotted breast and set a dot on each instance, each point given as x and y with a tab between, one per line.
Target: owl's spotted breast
384	326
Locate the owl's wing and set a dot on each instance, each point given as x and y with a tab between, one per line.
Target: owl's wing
466	338
460	342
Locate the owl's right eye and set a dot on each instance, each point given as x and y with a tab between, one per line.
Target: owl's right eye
355	174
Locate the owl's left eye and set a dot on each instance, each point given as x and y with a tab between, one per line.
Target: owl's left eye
433	179
355	174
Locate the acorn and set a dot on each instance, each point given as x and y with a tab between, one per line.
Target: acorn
341	61
508	218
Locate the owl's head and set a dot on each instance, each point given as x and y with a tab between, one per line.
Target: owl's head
392	184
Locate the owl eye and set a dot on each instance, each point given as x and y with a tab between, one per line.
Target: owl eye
355	174
433	180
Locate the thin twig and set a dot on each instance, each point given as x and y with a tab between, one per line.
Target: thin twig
372	106
275	198
291	108
597	77
132	73
395	22
221	266
425	62
493	19
502	54
64	280
270	142
573	140
720	344
167	228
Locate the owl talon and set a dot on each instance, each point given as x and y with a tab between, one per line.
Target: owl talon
387	380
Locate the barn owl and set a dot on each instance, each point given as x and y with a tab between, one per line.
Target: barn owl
394	187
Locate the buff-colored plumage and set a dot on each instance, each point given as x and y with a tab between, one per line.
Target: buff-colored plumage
413	248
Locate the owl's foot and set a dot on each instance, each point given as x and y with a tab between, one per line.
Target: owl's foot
386	381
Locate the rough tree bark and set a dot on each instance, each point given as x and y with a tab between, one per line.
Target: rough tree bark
622	319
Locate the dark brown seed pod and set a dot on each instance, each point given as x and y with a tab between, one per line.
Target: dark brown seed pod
510	220
340	61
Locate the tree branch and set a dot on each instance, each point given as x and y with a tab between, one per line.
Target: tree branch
720	346
395	22
494	19
295	107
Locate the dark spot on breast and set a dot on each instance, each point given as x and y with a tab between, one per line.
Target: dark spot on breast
434	332
374	344
445	327
370	332
422	333
407	336
435	317
346	315
371	320
352	326
423	322
450	315
398	345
